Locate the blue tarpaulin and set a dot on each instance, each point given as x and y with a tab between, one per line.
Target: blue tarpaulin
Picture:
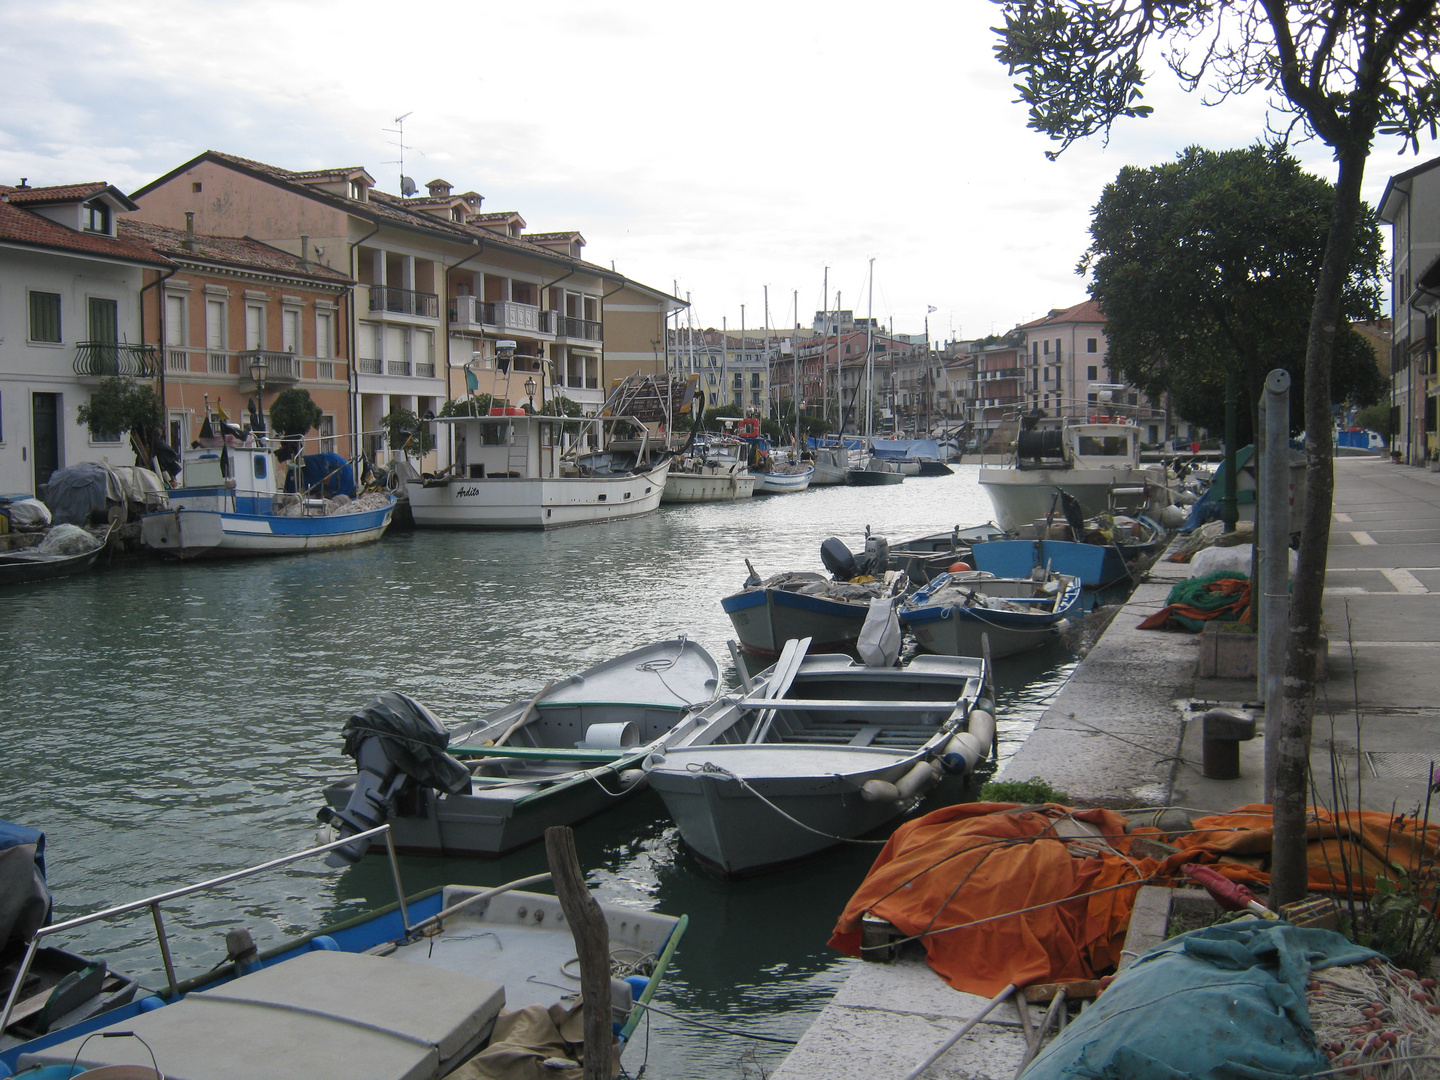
1226	1001
325	474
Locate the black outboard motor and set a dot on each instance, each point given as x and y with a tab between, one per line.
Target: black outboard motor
394	740
838	559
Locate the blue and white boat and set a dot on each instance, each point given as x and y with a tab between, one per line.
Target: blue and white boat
228	503
1101	558
409	992
782	477
951	614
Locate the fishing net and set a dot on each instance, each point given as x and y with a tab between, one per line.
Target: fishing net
1223	595
1370	1016
67	540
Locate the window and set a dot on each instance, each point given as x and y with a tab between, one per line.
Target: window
195	187
290	330
97	217
1047	348
326	429
45	316
1092	344
324	330
2	420
175	335
215	325
104	320
254	327
1092	373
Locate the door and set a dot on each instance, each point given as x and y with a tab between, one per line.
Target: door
45	437
105	334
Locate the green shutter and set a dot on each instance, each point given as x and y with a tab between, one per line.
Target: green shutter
44	316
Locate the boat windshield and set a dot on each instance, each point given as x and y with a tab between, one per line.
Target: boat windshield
1103	446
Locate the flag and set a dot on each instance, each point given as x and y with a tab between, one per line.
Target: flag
220	412
931	310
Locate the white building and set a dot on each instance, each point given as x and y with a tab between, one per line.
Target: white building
70	296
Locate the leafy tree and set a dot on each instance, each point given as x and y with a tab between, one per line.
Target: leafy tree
1375	418
294	412
473	405
1342	72
1205	267
121	404
405	433
560	405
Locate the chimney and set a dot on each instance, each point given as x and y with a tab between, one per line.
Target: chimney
439	189
189	242
304	250
24	185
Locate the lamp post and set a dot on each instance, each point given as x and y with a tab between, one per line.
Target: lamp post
258	370
530	392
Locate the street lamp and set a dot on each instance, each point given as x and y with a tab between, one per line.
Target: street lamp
530	390
259	368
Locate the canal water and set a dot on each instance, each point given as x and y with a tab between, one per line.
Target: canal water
167	722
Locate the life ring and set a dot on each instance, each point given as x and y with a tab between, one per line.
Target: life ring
749	428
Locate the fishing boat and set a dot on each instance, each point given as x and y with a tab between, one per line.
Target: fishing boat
1099	551
818	750
776	475
228	503
918	457
832	463
1097	463
63	550
926	557
766	613
711	470
569	752
954	612
409	992
512	470
873	471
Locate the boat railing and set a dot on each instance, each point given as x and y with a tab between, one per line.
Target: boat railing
154	903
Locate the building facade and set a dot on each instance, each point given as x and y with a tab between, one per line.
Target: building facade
70	316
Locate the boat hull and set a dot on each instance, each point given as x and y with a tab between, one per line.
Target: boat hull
875	477
767	483
1022	496
191	533
502	502
954	630
1096	565
690	487
764	619
736	833
17	570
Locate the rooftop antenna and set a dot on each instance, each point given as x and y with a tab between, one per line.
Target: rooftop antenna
407	185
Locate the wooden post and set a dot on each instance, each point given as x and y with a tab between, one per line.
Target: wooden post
592	944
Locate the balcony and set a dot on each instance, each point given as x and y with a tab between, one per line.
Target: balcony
404	301
280	367
584	329
472	313
102	359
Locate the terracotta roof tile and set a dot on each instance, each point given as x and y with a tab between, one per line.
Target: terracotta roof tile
21	226
55	193
233	251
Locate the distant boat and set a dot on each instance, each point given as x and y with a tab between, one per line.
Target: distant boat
713	470
926	557
782	477
64	550
832	464
511	471
228	504
875	472
1101	556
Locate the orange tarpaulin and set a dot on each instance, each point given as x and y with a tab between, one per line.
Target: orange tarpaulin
978	867
972	861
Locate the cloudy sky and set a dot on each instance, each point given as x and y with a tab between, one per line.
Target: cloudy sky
716	149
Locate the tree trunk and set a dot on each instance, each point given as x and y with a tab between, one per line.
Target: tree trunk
592	945
1288	867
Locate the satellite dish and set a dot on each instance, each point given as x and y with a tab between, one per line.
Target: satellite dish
407	186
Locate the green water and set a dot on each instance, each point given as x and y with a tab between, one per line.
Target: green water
163	723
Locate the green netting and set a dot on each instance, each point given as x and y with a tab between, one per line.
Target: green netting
1195	593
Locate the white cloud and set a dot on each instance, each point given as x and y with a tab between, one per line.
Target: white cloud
721	147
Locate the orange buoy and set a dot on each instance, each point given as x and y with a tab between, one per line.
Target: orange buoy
960	567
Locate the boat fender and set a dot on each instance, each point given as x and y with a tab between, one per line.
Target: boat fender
880	791
630	777
638	986
967	749
151	1003
917	781
324	943
620	736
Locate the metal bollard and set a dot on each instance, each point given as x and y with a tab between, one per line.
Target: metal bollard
1223	732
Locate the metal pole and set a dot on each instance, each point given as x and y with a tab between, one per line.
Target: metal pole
1229	509
1275	570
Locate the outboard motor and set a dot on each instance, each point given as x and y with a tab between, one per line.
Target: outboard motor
394	740
838	560
876	559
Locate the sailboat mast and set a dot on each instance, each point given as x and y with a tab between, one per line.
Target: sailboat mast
795	365
870	356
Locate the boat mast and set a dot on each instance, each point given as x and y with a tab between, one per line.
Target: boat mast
825	342
795	364
870	358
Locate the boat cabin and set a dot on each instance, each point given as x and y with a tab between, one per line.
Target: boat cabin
1080	446
544	447
233	479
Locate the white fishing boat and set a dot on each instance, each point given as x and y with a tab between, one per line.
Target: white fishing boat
818	750
228	503
564	755
954	612
832	464
409	992
1099	464
777	476
712	470
927	557
511	470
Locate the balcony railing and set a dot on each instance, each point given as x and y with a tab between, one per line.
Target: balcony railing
470	312
585	329
99	359
404	301
280	367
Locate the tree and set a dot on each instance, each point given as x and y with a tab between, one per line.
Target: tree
1342	72
1205	266
472	405
293	415
405	432
120	405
